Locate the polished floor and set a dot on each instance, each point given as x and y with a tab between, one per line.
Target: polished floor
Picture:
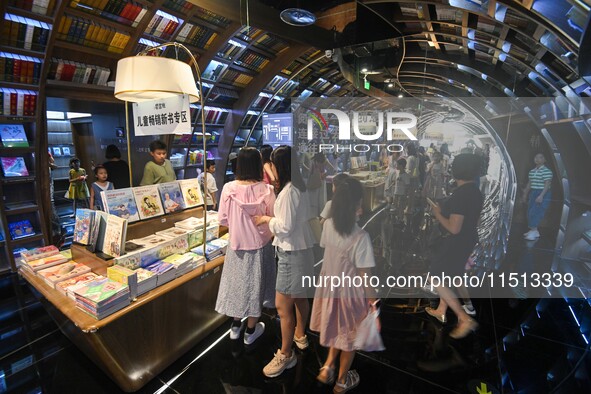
523	346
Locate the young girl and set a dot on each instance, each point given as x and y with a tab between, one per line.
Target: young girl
248	278
294	241
78	189
337	314
269	172
101	183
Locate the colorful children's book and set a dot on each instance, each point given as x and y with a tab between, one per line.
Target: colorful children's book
45	262
66	151
148	201
120	202
21	229
97	235
191	192
172	197
147	280
14	166
58	273
13	136
64	286
39	253
173	232
125	276
83	227
115	232
100	292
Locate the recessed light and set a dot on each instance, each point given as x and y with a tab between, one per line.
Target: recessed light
400	95
364	70
390	85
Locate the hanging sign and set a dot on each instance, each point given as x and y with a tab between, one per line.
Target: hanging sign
163	116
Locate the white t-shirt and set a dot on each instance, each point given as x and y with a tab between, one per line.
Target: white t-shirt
361	254
325	214
211	187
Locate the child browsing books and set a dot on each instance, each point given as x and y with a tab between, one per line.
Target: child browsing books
101	183
159	169
78	189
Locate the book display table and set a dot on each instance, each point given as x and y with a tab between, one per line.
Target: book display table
133	345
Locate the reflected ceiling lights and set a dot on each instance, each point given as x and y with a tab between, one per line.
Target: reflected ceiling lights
297	17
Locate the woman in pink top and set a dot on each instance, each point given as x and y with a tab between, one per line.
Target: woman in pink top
248	277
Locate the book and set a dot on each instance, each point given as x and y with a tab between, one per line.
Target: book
191	192
97	235
83	226
172	197
66	151
56	151
64	285
125	276
165	271
14	166
100	292
39	253
173	232
115	232
147	280
60	272
147	200
21	229
45	262
120	202
13	136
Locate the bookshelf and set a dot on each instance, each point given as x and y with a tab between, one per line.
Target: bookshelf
61	145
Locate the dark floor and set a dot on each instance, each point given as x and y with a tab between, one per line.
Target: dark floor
523	346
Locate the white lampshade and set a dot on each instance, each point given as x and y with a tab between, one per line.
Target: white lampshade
142	78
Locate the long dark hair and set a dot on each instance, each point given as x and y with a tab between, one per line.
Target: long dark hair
348	195
266	151
249	166
288	168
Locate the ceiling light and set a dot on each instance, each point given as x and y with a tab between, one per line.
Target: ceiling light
390	85
297	17
364	70
400	95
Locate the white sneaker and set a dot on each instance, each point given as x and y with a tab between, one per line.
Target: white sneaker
526	234
279	364
469	311
533	235
235	331
302	343
259	329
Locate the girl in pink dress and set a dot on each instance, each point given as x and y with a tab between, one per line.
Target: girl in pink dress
336	314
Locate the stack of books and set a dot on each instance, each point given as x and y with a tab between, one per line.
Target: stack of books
164	271
211	251
67	286
126	276
43	262
102	298
146	281
61	272
182	263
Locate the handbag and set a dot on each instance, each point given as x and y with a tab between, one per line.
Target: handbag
368	336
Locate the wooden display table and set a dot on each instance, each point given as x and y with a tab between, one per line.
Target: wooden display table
135	344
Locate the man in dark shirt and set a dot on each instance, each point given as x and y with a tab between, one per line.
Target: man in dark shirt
117	169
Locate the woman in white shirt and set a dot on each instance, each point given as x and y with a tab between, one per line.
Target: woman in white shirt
294	241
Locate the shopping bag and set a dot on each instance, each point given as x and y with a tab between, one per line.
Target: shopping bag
368	335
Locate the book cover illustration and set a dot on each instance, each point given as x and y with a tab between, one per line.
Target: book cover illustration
38	253
114	242
120	202
46	262
173	232
100	291
66	151
64	285
57	151
148	201
13	136
60	272
83	227
21	229
172	197
191	192
14	166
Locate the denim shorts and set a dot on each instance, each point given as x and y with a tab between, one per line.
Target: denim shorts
291	267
